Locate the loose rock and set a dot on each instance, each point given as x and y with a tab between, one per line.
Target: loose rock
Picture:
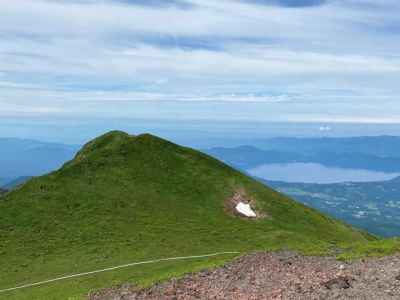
282	275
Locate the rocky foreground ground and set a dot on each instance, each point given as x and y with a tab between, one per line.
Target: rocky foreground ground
281	275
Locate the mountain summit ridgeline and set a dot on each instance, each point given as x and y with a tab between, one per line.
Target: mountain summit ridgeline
127	198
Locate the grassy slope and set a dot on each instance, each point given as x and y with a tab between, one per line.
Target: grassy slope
125	199
377	248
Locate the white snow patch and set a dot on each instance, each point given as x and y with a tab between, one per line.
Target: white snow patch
245	210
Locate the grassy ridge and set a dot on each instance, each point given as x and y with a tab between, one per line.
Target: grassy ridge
143	276
126	198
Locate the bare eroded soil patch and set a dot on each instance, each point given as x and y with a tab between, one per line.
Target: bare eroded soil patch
240	196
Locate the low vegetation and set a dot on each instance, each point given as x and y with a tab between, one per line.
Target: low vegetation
378	248
131	198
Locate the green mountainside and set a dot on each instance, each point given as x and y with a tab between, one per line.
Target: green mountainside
130	198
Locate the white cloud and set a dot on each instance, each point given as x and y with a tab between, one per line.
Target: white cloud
106	51
325	128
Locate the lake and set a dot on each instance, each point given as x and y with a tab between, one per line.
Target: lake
316	173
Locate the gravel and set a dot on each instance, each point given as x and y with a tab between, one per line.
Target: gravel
282	275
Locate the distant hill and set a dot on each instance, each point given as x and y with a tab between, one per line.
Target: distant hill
293	150
246	157
31	158
16	182
378	146
4	181
374	206
129	198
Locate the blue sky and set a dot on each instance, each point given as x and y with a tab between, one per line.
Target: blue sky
269	60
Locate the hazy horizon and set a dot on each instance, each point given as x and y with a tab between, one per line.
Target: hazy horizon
199	133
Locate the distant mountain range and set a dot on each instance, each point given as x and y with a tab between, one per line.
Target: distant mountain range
15	182
378	146
327	152
4	181
31	158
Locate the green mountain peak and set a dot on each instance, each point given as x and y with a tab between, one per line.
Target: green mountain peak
127	198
